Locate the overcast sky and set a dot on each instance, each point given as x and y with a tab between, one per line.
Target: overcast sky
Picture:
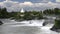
16	5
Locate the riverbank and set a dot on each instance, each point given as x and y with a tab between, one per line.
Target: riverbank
56	26
55	29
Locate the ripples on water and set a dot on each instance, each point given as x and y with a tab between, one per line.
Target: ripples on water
13	27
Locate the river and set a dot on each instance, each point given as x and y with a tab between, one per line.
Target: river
13	27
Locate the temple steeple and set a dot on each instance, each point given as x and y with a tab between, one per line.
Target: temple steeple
22	11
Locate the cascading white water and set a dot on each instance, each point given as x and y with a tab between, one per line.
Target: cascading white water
37	22
26	27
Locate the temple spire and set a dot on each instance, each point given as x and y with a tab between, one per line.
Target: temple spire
22	11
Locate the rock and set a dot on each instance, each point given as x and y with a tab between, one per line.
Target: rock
45	23
1	23
55	29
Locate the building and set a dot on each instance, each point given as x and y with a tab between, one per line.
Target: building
22	11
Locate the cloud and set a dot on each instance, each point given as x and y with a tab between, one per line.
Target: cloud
45	0
57	0
7	0
16	6
26	3
10	5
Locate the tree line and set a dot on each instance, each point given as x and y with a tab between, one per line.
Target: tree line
55	11
28	15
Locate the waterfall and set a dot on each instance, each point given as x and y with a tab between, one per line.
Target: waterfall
35	22
26	27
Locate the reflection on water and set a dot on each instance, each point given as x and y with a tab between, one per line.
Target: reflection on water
11	29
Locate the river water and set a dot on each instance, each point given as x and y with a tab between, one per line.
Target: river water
24	27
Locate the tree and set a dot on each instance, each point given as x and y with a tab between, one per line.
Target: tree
57	11
3	13
57	24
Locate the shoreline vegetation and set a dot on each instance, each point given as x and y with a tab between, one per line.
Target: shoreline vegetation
56	26
31	15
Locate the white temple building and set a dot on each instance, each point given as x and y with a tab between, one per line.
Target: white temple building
22	11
